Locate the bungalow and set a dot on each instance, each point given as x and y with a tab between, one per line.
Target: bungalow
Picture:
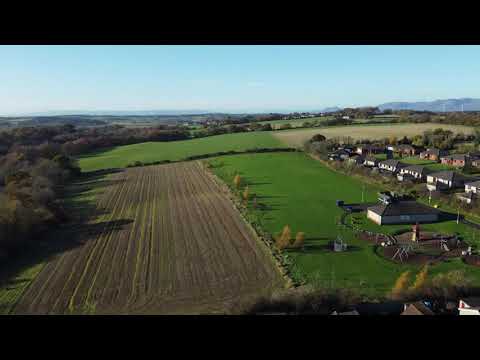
466	197
473	187
476	163
457	160
432	154
469	306
443	180
356	159
371	161
402	212
391	165
405	149
370	149
339	155
418	308
418	172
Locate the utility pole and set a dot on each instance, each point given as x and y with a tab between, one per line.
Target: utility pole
458	215
429	196
363	190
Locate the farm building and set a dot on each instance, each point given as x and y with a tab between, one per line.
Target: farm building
370	149
418	172
391	165
457	160
371	161
469	306
443	180
402	212
417	308
432	154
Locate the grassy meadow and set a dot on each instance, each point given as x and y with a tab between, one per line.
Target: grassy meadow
121	156
296	190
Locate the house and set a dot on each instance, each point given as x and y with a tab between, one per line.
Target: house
339	155
469	306
476	163
466	197
443	180
352	312
432	154
418	172
371	161
391	165
457	160
402	212
473	187
370	149
356	159
405	149
417	308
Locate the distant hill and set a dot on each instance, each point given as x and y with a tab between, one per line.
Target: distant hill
331	109
469	104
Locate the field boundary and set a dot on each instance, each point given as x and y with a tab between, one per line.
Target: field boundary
258	233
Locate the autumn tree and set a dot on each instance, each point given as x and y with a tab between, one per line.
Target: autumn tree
283	241
400	285
237	180
299	240
420	279
246	194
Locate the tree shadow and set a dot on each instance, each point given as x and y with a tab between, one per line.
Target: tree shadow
76	231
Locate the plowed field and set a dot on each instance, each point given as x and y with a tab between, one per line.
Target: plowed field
169	242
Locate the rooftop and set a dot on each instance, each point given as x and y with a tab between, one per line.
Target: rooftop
403	208
415	168
445	175
391	162
474	183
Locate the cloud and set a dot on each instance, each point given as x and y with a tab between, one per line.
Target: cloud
255	84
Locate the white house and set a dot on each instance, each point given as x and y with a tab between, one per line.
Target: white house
418	172
391	165
444	180
473	187
469	306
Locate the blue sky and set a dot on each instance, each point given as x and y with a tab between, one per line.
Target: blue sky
230	78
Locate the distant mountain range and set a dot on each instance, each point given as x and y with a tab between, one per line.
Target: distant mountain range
469	104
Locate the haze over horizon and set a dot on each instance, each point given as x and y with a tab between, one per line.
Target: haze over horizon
235	79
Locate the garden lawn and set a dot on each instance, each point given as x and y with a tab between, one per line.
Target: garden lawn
299	191
121	156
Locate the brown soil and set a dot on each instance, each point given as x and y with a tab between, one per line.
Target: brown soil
170	242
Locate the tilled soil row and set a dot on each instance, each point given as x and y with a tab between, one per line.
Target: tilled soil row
169	242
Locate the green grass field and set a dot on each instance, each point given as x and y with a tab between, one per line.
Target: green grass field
296	122
121	156
299	191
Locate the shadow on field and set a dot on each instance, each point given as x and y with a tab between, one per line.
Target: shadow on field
75	232
321	248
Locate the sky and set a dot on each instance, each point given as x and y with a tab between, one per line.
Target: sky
230	78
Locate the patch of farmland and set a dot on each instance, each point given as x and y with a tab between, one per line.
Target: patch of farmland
358	132
169	242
